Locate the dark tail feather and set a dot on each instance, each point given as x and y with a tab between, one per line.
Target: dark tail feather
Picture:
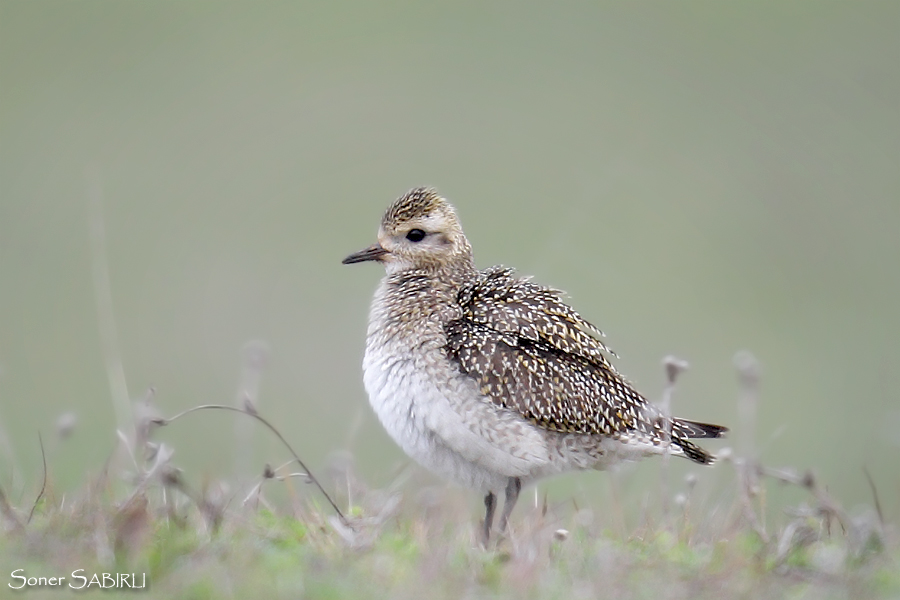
694	452
682	428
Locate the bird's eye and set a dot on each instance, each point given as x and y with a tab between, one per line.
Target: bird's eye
415	235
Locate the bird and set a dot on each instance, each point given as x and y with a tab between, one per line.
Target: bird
489	379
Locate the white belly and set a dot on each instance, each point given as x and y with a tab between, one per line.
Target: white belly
443	424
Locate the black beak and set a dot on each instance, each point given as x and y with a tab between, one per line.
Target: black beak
373	252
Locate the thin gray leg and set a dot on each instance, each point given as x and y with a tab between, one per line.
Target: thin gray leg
490	503
512	495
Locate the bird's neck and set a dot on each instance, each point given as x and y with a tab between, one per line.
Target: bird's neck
415	304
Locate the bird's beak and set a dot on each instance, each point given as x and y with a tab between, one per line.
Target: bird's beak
373	252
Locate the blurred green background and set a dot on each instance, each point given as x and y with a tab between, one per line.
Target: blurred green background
700	177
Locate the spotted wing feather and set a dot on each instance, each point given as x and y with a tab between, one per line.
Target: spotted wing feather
532	353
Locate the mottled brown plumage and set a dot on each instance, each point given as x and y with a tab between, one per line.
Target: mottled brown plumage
534	354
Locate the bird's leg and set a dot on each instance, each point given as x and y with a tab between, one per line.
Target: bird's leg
512	495
490	502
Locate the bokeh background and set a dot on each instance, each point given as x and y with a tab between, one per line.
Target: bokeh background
702	178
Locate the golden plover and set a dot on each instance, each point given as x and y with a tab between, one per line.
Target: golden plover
491	380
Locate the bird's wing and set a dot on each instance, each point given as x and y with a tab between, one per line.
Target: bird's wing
532	353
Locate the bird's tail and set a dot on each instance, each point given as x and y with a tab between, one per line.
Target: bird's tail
683	429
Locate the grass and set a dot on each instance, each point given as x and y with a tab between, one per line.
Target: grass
287	536
280	540
420	549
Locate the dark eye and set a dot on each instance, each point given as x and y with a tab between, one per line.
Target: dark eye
415	235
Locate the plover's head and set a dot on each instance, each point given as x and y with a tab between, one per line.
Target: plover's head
420	230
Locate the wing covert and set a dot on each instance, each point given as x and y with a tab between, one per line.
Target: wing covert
532	353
